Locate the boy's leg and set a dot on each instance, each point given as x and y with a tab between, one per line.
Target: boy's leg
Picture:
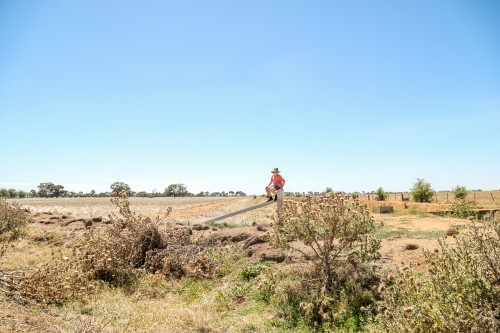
268	191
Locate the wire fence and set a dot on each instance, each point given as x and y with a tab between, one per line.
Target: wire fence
481	197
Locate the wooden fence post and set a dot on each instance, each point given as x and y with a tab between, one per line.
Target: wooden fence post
492	197
279	193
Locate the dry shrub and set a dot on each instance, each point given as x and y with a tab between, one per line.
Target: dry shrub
54	282
133	241
113	255
461	293
13	220
177	261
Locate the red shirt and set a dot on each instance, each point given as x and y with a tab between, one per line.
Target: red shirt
277	180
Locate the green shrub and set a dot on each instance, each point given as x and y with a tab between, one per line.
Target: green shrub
381	194
13	220
355	195
461	292
422	191
460	192
463	209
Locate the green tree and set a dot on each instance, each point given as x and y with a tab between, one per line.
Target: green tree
460	192
422	191
119	186
176	190
12	193
4	192
21	194
381	194
92	193
328	190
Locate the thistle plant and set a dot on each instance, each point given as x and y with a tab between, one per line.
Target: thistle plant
336	228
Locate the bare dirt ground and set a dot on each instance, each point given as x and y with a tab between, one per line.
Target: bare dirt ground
405	234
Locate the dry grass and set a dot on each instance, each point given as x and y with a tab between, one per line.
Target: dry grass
159	302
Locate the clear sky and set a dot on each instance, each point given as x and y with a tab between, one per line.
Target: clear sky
352	95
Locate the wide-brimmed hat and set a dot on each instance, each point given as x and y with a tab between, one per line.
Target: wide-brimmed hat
275	169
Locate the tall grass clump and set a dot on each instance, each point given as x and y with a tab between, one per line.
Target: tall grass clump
422	191
460	293
339	233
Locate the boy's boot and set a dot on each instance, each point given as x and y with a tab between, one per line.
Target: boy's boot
270	198
276	198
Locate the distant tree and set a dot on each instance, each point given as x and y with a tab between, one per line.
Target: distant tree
207	193
92	193
240	194
21	194
422	191
328	189
201	194
50	190
119	186
33	193
176	190
12	193
231	193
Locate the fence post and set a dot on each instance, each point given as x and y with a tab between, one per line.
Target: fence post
492	197
279	193
447	197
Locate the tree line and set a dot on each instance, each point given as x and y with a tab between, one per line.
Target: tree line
51	190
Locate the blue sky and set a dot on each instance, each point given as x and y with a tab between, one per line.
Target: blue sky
352	95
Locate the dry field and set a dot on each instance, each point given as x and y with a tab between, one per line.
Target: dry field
157	304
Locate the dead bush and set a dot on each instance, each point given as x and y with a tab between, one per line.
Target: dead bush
13	220
54	282
177	261
113	255
461	292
